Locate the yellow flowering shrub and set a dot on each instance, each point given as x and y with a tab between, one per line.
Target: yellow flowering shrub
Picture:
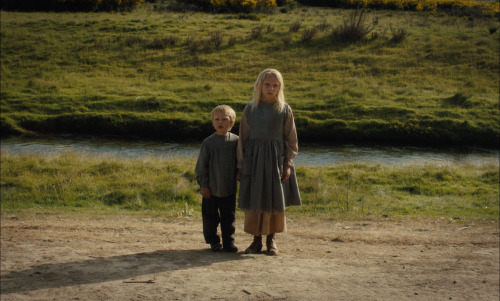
486	8
235	5
70	5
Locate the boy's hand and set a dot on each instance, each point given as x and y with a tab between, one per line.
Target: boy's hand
286	173
206	192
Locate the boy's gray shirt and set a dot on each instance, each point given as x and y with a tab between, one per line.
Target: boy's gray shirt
216	167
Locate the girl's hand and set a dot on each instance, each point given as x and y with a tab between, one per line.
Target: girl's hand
238	175
206	192
286	173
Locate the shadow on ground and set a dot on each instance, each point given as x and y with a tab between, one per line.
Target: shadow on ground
109	269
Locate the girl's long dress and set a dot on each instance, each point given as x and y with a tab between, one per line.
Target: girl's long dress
268	141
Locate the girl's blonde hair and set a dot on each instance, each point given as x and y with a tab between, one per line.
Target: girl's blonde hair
226	110
257	89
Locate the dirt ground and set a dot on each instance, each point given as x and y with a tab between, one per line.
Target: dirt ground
51	257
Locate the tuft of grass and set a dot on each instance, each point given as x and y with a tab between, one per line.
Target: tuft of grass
216	39
296	26
459	99
353	29
309	34
257	32
399	34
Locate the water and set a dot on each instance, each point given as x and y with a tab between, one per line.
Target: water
309	154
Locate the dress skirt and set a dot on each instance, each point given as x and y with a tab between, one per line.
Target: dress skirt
264	223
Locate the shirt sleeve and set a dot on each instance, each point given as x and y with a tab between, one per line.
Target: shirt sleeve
291	140
243	137
201	169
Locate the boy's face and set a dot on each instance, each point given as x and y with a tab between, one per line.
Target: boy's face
270	88
222	123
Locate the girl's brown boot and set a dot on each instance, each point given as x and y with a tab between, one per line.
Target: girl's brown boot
271	245
256	245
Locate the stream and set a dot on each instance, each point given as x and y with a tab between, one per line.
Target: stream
309	154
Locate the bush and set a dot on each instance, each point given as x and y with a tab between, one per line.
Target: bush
256	32
232	41
454	7
353	29
286	41
194	44
245	6
216	39
69	5
309	34
459	100
295	27
160	43
398	35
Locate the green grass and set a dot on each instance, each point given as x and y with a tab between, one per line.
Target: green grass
82	184
159	73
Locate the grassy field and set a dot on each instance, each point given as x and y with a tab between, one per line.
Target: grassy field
81	184
157	73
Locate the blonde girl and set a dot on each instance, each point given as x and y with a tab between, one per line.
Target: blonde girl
266	148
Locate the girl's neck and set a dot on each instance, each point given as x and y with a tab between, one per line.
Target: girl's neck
268	101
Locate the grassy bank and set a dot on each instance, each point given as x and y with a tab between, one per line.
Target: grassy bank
167	187
156	73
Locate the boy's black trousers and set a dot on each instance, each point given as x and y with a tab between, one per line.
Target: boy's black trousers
217	210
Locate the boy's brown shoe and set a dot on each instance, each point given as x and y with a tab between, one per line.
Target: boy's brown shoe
256	246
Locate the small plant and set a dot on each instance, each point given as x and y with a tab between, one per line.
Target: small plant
171	40
309	34
295	27
232	41
253	17
399	35
194	45
285	43
256	32
216	39
375	35
459	99
131	41
353	29
322	26
186	211
161	43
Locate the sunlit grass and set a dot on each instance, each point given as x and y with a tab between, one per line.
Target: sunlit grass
102	73
83	184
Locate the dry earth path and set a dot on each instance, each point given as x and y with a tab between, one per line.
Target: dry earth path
53	257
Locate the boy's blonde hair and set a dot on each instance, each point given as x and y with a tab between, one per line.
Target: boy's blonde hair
257	89
226	110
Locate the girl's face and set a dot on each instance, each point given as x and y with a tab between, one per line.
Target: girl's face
222	123
270	88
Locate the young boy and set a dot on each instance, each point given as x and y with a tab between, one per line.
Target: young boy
216	171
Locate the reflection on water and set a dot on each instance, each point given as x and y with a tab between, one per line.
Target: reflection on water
309	154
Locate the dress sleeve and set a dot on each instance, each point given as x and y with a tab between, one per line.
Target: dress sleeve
201	170
291	140
243	137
